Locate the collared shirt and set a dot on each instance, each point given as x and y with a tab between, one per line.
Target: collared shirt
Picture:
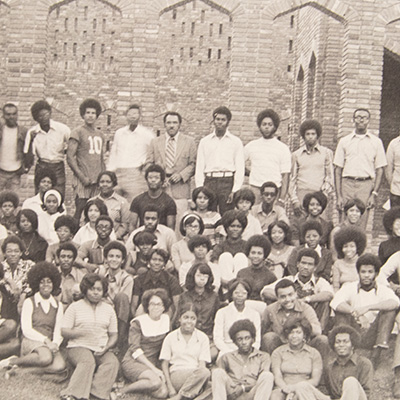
96	322
393	165
150	280
165	238
70	283
297	365
92	251
245	373
26	318
225	318
275	316
126	143
122	282
352	294
48	146
185	355
357	366
277	213
311	171
268	159
118	210
19	276
223	154
360	155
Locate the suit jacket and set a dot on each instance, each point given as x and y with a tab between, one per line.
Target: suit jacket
185	161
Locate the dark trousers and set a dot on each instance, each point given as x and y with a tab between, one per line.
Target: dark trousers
377	334
79	206
394	200
58	168
222	188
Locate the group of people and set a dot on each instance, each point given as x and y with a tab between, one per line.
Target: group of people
177	277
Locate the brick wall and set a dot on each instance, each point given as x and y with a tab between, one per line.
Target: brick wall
246	54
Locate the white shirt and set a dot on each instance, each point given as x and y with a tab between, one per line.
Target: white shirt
269	159
360	155
33	203
223	154
129	148
8	150
26	318
49	146
352	294
225	318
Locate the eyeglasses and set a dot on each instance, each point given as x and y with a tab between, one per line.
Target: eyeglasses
268	194
361	118
156	304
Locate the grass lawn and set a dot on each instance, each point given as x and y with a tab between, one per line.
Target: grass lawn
23	386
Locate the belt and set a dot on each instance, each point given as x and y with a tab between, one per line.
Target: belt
226	174
359	179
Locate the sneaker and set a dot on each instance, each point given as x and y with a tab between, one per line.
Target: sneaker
6	362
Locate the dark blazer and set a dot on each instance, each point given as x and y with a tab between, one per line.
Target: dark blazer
185	161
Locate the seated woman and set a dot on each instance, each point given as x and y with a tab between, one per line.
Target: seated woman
117	206
93	209
91	328
155	277
237	309
200	291
200	246
230	253
35	245
45	180
141	366
144	242
296	366
190	226
120	287
52	208
203	199
184	355
280	237
314	205
350	243
312	233
9	202
257	275
14	287
41	324
353	211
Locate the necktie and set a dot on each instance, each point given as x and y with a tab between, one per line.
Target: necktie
170	153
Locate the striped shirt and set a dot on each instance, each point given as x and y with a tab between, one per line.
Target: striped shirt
97	322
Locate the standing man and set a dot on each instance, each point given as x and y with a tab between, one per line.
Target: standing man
359	162
48	141
85	155
312	166
393	171
176	153
12	139
128	154
220	161
267	158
